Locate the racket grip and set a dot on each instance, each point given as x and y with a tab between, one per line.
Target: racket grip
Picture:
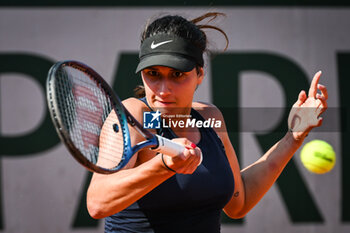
171	148
168	147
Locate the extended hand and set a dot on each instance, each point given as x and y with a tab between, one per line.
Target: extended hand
306	112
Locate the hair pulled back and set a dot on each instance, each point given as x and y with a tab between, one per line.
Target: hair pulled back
191	30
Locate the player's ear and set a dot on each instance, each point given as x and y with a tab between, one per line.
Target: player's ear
200	74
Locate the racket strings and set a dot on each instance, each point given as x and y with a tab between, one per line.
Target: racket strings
112	143
84	106
111	153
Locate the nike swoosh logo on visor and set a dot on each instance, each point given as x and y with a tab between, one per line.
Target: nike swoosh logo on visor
153	45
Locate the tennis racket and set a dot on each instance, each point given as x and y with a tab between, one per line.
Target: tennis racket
79	102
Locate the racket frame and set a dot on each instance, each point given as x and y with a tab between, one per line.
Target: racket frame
155	142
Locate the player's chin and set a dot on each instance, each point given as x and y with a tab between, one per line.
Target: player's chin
164	104
165	107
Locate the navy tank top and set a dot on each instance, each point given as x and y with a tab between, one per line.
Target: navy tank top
183	203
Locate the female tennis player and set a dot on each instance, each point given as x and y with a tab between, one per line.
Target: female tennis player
160	193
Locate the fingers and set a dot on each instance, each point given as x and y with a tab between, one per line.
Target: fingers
323	90
194	157
194	146
324	94
322	105
188	161
321	99
313	85
301	99
306	111
191	163
184	141
199	154
319	123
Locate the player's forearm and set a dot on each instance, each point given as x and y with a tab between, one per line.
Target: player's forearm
109	195
261	175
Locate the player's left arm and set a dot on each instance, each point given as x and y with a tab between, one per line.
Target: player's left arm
252	182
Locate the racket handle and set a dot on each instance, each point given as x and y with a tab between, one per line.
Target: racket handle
168	147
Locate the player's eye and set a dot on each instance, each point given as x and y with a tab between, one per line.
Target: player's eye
153	73
177	74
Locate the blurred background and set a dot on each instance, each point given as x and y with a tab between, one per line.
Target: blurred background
275	49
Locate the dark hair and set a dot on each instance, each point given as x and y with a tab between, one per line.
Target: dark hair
190	30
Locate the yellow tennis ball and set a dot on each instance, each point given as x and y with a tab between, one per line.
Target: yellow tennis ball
318	156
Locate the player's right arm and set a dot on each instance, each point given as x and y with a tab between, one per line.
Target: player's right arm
109	194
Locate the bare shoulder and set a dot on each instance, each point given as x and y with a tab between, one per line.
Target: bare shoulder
208	110
132	101
211	112
136	107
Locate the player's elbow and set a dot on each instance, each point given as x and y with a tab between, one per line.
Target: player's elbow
96	205
236	209
235	213
95	209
